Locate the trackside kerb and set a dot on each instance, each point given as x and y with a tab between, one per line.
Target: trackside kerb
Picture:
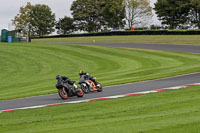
104	98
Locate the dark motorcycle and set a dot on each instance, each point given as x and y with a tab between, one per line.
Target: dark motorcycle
88	85
67	88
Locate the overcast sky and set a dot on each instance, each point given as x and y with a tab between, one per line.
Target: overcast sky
10	8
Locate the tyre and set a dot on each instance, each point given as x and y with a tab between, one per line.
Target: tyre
100	89
63	93
85	88
80	93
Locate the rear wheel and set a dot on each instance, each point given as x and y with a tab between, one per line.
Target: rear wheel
80	93
63	93
85	88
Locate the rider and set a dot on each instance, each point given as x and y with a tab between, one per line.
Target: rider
67	80
87	76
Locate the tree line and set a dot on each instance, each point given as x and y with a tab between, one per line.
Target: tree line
178	13
97	15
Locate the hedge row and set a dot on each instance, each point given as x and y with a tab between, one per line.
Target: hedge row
160	32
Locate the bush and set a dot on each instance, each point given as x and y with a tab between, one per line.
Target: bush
142	32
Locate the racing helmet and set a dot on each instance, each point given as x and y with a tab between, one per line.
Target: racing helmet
81	72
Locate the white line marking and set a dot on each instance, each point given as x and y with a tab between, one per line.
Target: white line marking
101	98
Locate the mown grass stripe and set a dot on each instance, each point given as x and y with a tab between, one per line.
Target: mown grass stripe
30	70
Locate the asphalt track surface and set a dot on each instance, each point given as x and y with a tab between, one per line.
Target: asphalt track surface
117	89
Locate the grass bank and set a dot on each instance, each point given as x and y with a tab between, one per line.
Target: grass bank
174	111
169	39
30	69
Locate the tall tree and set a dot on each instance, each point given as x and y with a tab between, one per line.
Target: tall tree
138	12
114	13
87	14
172	12
35	20
43	20
90	15
195	13
23	19
65	25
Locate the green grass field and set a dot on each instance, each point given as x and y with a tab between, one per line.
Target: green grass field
176	111
30	69
169	39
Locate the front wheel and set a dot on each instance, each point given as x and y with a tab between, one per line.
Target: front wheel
80	93
99	88
63	93
85	88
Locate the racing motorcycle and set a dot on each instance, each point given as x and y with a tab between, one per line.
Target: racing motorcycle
88	85
67	88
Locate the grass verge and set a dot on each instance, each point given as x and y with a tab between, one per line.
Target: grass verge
163	39
30	69
163	112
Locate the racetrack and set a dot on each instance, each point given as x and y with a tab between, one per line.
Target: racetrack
118	89
169	47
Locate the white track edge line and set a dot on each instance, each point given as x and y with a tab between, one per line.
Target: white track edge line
109	97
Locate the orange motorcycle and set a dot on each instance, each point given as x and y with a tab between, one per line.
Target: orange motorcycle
89	85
